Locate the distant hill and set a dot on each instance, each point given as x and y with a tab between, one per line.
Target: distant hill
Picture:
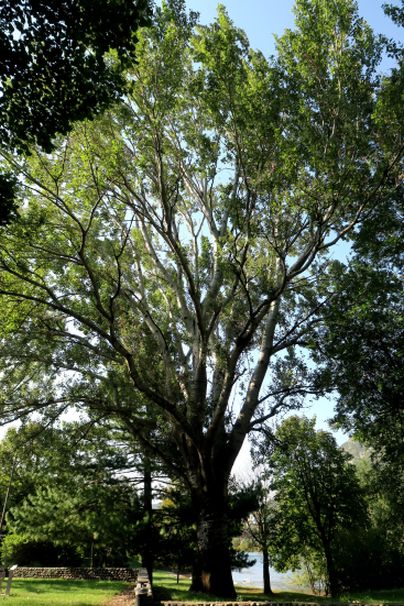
357	450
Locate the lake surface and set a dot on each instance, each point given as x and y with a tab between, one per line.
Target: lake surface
253	576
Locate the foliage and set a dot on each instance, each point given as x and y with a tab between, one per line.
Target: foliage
54	67
317	496
57	68
396	13
66	492
96	518
378	556
174	254
359	348
175	524
360	343
16	548
364	362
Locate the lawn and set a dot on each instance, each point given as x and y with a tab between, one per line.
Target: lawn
166	588
57	592
383	596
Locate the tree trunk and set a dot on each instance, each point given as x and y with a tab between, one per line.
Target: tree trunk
333	581
213	570
147	555
265	571
10	482
196	584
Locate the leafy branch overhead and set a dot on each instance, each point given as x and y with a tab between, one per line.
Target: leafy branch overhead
55	67
60	62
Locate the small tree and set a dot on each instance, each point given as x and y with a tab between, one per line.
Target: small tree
69	491
317	495
260	528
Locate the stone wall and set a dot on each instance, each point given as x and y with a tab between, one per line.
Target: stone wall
104	574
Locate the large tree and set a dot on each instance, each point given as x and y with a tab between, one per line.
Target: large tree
173	253
359	346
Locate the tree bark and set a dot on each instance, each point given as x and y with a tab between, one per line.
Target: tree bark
265	572
147	555
213	570
332	574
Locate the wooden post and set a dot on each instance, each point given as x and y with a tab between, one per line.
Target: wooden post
10	578
2	575
143	590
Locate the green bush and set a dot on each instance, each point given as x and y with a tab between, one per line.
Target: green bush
18	549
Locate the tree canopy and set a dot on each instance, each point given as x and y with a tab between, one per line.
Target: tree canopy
54	68
57	68
172	256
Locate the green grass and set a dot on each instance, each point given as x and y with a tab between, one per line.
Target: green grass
58	592
165	587
55	592
382	596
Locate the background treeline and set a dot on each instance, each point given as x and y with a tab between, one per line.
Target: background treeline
76	496
328	511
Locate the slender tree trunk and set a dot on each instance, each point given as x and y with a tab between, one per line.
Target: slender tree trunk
147	555
92	554
265	571
5	503
332	574
196	584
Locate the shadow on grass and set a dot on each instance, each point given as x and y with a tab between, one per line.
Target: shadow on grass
166	588
62	586
61	592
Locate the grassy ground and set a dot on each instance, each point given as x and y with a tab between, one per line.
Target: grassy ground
166	588
37	592
383	596
57	592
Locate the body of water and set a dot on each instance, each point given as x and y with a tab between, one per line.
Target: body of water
252	576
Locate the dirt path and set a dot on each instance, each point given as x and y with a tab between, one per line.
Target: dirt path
127	598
